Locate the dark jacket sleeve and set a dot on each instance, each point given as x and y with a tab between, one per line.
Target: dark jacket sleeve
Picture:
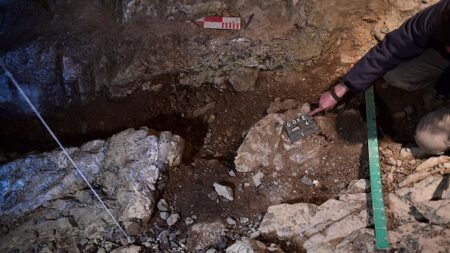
400	45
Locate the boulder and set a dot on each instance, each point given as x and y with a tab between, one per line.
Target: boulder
309	225
343	224
266	145
52	202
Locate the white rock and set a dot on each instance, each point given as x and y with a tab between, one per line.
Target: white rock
231	221
406	153
127	249
358	186
247	245
240	247
164	215
401	208
173	218
257	178
224	191
162	205
189	221
286	221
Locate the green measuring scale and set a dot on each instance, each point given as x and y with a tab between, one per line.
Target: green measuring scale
379	216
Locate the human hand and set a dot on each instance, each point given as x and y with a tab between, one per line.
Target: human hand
327	101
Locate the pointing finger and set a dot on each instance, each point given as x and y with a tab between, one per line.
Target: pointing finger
317	110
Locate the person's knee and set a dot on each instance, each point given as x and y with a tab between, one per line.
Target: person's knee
433	131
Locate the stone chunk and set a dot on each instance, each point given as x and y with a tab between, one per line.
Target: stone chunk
246	245
244	79
224	191
436	211
127	249
257	178
358	186
172	219
286	221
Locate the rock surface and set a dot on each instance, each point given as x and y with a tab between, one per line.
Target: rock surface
111	57
343	225
60	209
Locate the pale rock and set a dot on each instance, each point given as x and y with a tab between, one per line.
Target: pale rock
231	221
203	235
436	211
244	220
125	167
211	251
202	110
164	215
424	190
127	249
405	5
401	208
358	186
420	237
286	221
257	178
224	191
392	161
188	221
358	241
334	210
267	145
406	153
173	219
240	247
246	245
162	205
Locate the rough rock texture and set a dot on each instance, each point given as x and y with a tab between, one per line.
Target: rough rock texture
343	225
43	201
266	146
65	52
247	245
312	226
202	235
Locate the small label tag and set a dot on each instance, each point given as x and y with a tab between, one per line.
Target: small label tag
300	127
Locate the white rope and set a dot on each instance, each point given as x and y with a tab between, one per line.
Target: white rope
13	80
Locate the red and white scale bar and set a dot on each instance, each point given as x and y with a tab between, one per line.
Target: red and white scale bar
214	22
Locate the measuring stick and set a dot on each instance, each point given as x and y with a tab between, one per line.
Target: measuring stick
379	216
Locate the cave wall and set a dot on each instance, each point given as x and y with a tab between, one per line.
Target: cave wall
69	52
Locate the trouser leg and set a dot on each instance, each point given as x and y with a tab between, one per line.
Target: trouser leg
433	131
418	73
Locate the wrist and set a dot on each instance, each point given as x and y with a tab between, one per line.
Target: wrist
340	89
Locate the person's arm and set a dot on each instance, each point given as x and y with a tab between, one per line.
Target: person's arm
402	44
